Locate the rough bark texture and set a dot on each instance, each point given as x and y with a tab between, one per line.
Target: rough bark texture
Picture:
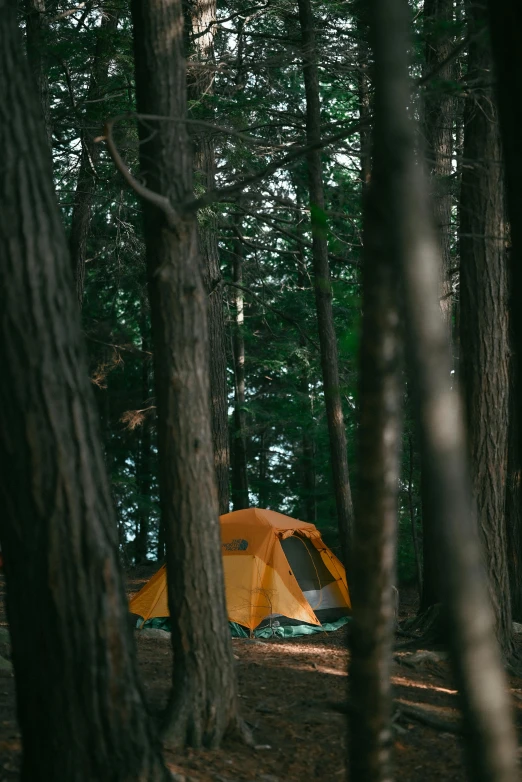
514	498
199	16
86	183
239	461
322	284
203	703
484	340
490	738
505	19
81	710
35	31
374	545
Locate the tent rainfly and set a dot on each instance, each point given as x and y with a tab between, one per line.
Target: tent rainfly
278	572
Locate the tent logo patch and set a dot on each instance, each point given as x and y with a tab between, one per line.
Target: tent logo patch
238	544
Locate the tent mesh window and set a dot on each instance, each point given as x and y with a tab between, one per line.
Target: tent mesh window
306	563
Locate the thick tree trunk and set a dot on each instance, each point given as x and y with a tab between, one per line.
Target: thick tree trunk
36	28
484	340
374	547
490	738
322	284
86	183
199	18
80	707
203	703
505	19
239	463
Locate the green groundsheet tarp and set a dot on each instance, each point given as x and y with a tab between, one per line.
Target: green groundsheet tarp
237	631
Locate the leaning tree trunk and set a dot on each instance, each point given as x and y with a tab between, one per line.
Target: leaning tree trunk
484	339
80	707
36	28
203	703
439	115
86	183
200	16
505	20
322	283
374	546
490	738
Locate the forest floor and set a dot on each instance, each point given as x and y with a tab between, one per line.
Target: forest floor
292	692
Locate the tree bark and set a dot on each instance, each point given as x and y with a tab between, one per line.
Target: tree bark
374	549
505	21
144	459
36	28
203	702
86	183
239	463
514	497
484	338
74	658
439	116
490	739
322	283
199	20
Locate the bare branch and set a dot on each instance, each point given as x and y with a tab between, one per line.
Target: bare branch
156	199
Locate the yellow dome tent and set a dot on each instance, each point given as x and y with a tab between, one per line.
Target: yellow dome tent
277	570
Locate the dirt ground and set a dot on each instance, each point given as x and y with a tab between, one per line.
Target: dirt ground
291	692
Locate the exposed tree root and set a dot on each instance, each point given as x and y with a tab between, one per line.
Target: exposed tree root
428	717
184	725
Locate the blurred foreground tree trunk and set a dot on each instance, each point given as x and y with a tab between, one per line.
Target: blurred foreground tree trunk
373	561
438	121
80	707
490	738
203	702
323	285
484	337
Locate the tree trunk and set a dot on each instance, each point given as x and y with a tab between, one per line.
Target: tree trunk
505	18
322	283
144	466
374	549
439	116
239	463
484	337
514	498
203	702
36	28
199	18
490	738
439	110
80	707
86	183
